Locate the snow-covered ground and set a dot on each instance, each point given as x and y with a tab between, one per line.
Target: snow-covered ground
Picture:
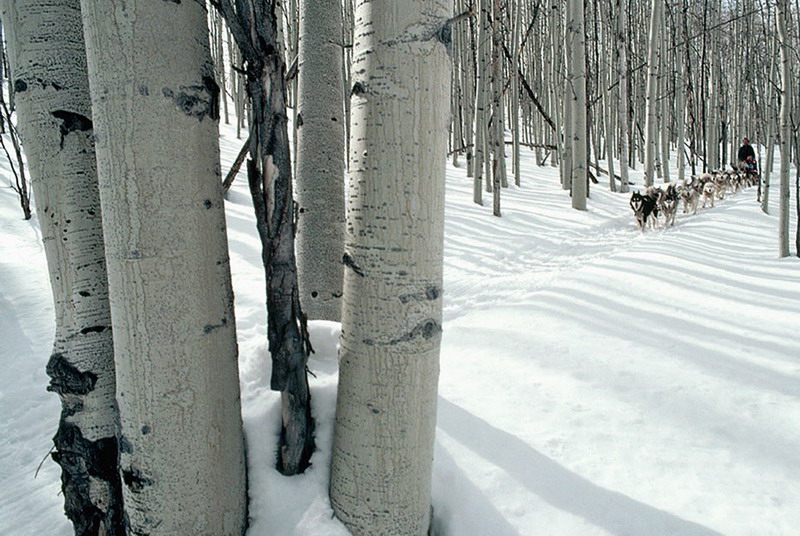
594	380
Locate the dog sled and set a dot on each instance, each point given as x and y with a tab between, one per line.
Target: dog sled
750	167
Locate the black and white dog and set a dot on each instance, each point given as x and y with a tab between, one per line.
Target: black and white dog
644	207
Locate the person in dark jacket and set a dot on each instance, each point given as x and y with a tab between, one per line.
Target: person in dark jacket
747	157
746	152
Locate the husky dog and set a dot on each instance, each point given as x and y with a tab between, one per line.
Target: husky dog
668	204
689	193
734	182
721	182
709	193
644	207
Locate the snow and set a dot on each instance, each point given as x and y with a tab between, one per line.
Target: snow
595	380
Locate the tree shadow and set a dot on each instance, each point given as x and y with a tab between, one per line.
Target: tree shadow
563	489
472	510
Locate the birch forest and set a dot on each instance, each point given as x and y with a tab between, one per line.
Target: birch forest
347	116
618	81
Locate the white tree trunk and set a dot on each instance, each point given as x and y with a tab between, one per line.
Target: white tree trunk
481	100
785	126
48	64
156	108
515	119
320	160
665	116
680	110
651	123
622	71
391	318
577	47
498	120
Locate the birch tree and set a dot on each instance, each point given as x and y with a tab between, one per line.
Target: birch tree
653	59
391	318
783	16
622	107
498	128
576	45
156	108
320	160
48	63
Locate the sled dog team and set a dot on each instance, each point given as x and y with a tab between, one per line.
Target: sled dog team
656	202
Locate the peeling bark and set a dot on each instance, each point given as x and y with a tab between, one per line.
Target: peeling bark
254	26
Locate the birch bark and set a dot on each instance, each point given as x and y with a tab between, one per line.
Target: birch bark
320	160
48	71
651	123
391	318
156	108
785	126
622	110
577	52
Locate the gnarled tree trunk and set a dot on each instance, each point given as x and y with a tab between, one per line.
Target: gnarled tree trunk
254	26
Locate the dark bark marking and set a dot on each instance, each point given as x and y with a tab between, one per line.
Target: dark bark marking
72	122
208	328
196	101
85	293
430	293
66	379
427	329
208	204
44	83
81	462
20	85
299	120
445	35
135	480
144	91
358	89
94	329
348	261
125	446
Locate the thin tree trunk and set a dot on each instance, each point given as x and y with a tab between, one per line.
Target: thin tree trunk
622	110
577	48
498	129
651	123
320	161
515	120
782	18
269	171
